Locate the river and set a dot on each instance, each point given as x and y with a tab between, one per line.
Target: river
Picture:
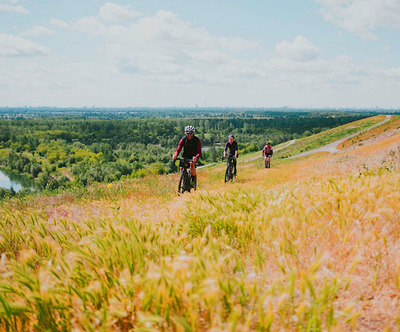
8	180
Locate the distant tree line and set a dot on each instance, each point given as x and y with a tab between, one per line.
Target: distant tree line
165	112
60	151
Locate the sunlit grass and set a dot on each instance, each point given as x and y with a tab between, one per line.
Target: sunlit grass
394	123
300	246
328	136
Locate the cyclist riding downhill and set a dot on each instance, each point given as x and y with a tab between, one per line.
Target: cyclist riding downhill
232	146
267	154
191	146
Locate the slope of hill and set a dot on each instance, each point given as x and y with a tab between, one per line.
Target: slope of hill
394	123
310	244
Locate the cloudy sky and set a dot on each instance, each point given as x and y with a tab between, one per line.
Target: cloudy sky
254	53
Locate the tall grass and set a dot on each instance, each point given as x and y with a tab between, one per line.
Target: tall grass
291	253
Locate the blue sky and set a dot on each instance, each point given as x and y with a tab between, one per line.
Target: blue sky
309	53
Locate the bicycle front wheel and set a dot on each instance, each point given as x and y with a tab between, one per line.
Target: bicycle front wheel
228	174
182	182
186	181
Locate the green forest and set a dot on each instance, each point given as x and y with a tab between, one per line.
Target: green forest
61	151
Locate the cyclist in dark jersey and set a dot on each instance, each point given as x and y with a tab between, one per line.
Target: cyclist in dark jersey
191	146
232	146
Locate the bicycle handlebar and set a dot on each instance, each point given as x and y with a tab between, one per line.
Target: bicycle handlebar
185	162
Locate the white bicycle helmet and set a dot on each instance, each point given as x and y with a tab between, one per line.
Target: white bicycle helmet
189	130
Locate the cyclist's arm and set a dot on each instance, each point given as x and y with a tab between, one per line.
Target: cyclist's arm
179	149
236	150
198	155
226	148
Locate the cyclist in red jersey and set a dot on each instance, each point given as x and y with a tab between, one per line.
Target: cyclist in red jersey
191	146
267	151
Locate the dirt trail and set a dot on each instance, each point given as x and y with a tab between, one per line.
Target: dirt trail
331	147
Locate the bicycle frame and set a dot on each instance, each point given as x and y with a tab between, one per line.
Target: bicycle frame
229	169
185	177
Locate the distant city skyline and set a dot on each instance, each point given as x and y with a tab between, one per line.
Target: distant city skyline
153	53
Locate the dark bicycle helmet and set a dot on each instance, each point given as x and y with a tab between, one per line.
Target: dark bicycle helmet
189	130
231	136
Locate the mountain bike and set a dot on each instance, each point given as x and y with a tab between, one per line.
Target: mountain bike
229	169
267	161
185	181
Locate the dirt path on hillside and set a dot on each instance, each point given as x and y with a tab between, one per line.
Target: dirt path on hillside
331	147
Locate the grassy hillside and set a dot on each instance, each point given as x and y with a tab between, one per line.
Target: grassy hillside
320	139
310	244
394	123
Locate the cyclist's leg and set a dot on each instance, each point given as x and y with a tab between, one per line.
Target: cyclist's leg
193	174
226	170
234	167
192	168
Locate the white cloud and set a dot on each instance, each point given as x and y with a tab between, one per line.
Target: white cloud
91	25
165	28
209	56
338	81
301	49
13	9
113	12
393	74
37	30
59	23
163	46
362	17
163	59
11	45
340	69
242	70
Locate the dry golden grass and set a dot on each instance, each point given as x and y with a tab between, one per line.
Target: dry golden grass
394	123
315	141
310	244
